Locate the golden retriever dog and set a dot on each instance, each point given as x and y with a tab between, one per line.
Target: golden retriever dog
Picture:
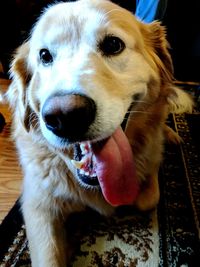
89	67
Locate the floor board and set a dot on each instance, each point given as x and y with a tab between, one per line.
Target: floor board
10	171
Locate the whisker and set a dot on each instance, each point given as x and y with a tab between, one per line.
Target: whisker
133	120
36	126
104	17
135	111
139	101
32	117
113	10
114	20
34	120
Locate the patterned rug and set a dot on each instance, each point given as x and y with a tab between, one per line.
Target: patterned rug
167	236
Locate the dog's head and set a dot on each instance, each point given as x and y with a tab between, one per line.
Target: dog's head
85	64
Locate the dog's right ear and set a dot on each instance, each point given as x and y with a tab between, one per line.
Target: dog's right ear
20	76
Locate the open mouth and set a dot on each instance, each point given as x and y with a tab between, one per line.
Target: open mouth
85	164
109	164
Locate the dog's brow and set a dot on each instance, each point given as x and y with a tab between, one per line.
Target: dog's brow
65	31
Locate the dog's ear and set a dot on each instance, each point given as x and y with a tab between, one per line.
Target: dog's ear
158	48
21	76
179	101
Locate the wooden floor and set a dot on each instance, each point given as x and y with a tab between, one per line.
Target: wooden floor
10	172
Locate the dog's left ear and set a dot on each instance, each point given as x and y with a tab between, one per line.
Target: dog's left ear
158	48
17	93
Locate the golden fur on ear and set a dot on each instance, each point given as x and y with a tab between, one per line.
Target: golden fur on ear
17	95
157	46
19	70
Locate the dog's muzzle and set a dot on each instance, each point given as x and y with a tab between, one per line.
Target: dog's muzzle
69	115
105	164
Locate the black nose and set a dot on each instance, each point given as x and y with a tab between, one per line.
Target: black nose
69	116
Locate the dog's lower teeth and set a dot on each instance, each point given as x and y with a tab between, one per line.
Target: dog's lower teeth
82	172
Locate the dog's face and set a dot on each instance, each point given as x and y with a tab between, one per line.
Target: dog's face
89	60
85	64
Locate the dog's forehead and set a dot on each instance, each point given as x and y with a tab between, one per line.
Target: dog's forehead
71	22
68	22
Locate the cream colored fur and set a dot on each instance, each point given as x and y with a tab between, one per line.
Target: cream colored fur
144	69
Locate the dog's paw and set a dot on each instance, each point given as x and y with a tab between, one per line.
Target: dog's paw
147	201
180	101
171	136
149	196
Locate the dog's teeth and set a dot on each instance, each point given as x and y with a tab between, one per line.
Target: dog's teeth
85	148
81	172
77	164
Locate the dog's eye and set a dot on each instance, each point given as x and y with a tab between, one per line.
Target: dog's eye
45	56
111	45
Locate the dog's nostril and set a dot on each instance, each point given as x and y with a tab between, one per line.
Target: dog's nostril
53	122
69	116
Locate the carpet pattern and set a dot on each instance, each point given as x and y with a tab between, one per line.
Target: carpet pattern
167	236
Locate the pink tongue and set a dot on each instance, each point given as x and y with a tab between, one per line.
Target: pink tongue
116	171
